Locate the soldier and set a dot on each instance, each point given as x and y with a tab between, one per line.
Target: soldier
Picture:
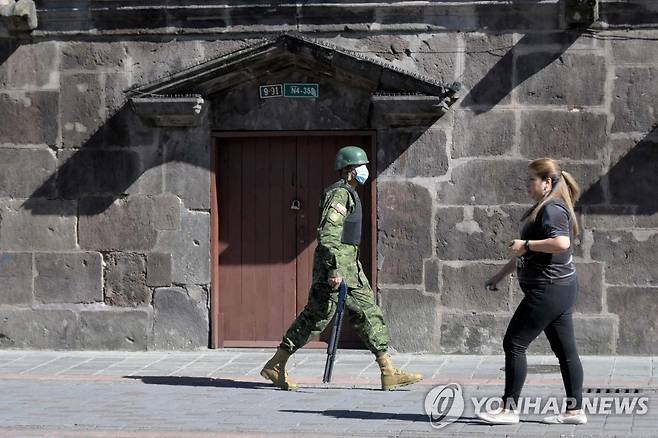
336	259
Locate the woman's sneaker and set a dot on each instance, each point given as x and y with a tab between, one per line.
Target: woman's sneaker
502	417
566	419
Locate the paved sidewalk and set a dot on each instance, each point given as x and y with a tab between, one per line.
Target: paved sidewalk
220	393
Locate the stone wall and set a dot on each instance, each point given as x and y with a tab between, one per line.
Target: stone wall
105	220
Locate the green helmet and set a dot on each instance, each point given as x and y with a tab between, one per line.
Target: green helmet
350	156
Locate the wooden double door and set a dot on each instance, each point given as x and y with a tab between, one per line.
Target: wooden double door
268	192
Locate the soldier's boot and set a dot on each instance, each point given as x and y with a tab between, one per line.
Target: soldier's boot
275	370
392	377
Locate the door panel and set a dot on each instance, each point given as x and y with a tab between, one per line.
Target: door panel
265	248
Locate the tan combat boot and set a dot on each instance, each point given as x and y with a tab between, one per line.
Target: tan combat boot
275	370
392	377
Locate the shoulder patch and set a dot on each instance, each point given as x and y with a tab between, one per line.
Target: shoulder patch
340	208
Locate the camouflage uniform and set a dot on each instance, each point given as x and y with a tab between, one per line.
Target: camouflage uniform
333	258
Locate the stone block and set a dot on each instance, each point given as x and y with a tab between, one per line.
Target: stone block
38	224
123	128
151	179
590	177
463	288
92	56
635	99
637	308
150	60
167	214
405	215
630	256
96	172
576	135
30	66
51	329
568	79
637	164
488	69
187	158
486	182
412	153
16	278
159	269
125	280
432	274
596	334
26	173
189	247
125	224
490	133
125	330
29	117
412	319
479	233
472	333
639	48
180	322
82	112
608	217
68	277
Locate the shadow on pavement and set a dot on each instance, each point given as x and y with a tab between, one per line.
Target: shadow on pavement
199	381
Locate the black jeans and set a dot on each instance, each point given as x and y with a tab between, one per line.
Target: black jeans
546	308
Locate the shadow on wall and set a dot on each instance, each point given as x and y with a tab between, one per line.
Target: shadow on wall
632	179
499	82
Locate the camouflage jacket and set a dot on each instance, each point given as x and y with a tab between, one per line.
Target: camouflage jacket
332	257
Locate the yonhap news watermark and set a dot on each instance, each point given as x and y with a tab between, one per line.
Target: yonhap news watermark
446	403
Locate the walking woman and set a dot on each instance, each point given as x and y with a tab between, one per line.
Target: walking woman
547	276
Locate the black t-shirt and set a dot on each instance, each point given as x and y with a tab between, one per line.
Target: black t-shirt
539	267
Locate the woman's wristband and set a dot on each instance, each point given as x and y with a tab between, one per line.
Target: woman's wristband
526	245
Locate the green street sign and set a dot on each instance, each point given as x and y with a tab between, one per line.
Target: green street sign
301	90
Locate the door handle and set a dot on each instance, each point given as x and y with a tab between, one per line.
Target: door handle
296	205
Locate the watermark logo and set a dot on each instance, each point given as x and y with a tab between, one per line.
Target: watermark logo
444	404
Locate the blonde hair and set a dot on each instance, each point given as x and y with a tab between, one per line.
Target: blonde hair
565	188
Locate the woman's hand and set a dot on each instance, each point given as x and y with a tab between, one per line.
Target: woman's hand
517	247
492	283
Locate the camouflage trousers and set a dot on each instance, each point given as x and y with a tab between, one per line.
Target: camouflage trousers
361	311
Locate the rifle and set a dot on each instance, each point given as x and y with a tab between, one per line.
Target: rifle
335	333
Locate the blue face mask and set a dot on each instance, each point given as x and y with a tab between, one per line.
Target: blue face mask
362	174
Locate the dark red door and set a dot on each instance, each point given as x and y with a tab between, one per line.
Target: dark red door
268	191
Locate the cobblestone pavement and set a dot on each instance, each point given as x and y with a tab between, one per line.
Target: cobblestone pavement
220	393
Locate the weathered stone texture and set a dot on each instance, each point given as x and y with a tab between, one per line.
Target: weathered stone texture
630	256
96	172
190	248
29	66
413	153
26	172
158	269
463	288
637	308
68	278
563	134
432	273
488	69
484	134
635	99
40	225
16	278
180	321
38	328
187	158
28	117
405	211
92	56
412	319
470	333
125	280
482	234
485	182
570	79
114	329
123	224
